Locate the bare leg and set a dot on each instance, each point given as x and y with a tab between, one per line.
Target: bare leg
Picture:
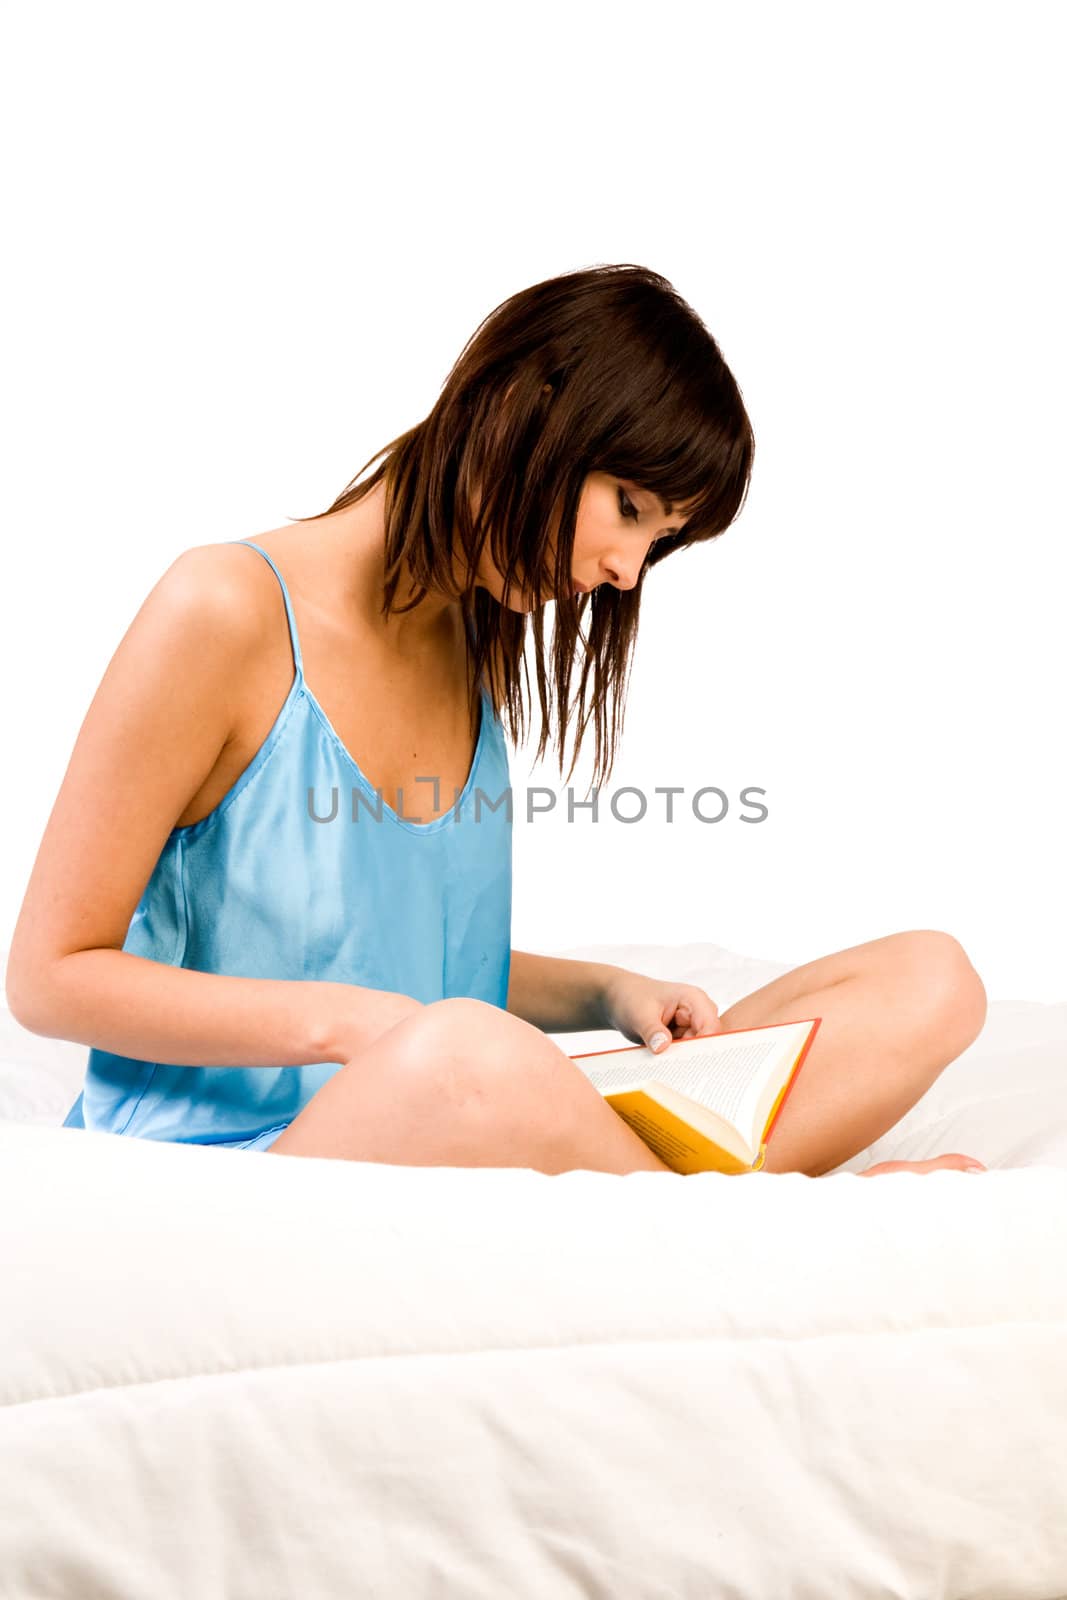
895	1012
464	1084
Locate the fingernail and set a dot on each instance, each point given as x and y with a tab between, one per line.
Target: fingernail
658	1039
974	1169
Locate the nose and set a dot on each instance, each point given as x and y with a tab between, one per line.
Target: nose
623	574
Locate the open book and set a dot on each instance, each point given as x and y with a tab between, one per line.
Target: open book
705	1104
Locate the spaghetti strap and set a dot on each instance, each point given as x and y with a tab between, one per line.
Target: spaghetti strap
284	879
293	637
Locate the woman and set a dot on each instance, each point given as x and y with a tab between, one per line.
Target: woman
255	961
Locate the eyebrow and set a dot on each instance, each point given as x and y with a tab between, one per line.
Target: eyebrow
667	509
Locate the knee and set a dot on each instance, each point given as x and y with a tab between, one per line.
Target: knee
453	1046
473	1027
949	992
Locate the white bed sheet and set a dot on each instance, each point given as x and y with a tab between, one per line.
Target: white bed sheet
222	1374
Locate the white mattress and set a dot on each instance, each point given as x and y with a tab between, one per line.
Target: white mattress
222	1374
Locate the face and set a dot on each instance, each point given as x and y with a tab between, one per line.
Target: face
617	524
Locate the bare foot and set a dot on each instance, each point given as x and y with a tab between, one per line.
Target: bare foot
951	1163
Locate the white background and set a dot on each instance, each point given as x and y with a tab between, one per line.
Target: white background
246	243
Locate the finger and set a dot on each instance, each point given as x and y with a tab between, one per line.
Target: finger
707	1023
681	1020
699	1017
656	1035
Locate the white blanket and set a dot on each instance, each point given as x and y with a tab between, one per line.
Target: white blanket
223	1374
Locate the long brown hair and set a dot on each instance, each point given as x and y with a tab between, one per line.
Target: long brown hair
604	369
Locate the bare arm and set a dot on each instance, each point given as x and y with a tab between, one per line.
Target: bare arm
557	995
163	711
131	1006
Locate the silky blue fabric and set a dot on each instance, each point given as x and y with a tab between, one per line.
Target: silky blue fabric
303	871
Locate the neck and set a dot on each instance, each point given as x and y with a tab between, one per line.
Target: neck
357	537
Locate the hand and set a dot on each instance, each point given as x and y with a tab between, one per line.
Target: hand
653	1012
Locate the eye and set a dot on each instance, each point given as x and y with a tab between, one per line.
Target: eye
627	507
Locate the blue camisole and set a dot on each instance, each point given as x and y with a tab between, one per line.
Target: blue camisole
303	871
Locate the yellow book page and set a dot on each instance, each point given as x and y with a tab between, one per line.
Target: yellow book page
677	1144
772	1113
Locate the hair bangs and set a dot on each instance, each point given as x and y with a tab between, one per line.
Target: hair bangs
603	369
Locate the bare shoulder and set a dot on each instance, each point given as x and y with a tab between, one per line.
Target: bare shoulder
224	587
148	756
201	633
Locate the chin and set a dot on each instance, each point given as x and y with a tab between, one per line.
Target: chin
522	601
